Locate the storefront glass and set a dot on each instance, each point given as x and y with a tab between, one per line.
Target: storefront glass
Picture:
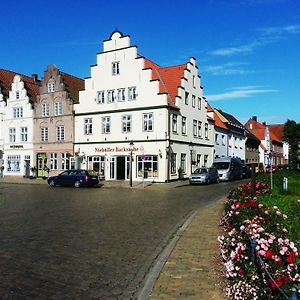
147	165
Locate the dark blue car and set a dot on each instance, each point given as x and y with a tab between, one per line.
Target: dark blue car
76	178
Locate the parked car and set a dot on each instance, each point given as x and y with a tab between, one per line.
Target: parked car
273	169
246	171
76	178
204	175
229	168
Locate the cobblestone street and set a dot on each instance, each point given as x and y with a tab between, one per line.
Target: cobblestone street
67	243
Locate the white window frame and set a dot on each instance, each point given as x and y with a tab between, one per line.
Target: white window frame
173	163
115	68
44	134
199	129
64	161
58	108
199	103
126	123
60	133
148	119
12	134
24	134
174	123
110	96
206	130
121	95
186	98
193	100
53	161
13	163
51	86
100	97
88	126
18	112
132	95
45	109
195	128
18	95
183	125
106	126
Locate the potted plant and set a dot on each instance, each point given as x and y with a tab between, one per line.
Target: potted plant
33	172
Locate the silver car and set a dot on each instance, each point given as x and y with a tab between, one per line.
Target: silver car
204	175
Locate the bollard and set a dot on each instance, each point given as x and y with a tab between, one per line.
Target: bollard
285	183
293	295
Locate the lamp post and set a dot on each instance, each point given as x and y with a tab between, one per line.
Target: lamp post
191	146
130	173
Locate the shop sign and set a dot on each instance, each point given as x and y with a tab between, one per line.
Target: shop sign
16	146
116	149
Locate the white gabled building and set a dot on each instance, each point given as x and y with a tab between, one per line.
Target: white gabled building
135	117
18	94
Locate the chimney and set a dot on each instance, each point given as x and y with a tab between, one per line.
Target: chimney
264	123
34	77
254	118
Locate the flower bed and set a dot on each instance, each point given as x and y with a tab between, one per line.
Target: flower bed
255	244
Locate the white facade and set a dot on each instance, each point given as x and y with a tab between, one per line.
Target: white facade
221	143
123	119
17	125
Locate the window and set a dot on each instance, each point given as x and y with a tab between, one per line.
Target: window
121	95
53	161
105	125
60	133
206	130
186	99
183	162
205	161
183	125
12	135
194	81
199	160
88	126
45	110
51	86
44	134
65	161
17	95
132	93
100	97
199	129
217	139
148	122
126	123
24	134
174	123
111	96
223	139
13	163
149	164
17	112
195	128
58	108
199	103
116	68
173	163
193	101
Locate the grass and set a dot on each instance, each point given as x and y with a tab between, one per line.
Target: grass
285	200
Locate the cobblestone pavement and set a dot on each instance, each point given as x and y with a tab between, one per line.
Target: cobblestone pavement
97	243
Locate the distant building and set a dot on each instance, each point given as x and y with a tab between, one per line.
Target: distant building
54	121
138	120
18	94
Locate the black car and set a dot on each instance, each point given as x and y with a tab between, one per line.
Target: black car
76	178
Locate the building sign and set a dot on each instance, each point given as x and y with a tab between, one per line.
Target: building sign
116	149
16	146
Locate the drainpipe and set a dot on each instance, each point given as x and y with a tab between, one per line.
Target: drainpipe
168	146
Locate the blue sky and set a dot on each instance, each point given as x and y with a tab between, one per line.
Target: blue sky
247	51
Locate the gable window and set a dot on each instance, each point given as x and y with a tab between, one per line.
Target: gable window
195	128
44	134
88	126
116	68
126	123
17	95
206	130
12	135
183	125
45	110
121	95
51	86
105	125
199	103
58	108
186	98
199	129
100	97
24	134
17	112
132	93
148	122
60	133
174	123
193	101
111	96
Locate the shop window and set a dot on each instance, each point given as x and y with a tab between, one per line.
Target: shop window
13	163
147	164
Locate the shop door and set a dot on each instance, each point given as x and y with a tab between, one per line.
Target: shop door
121	167
41	164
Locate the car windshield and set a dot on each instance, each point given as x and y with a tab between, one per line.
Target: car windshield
221	165
201	171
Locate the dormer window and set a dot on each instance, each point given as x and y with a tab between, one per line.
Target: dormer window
51	86
17	95
116	68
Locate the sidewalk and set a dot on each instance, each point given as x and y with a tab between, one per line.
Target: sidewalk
191	271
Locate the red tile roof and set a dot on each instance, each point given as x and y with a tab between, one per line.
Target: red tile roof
278	130
260	133
218	122
169	79
73	85
31	83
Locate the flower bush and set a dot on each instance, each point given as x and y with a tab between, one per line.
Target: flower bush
254	244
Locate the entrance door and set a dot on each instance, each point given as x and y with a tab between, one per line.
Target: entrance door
121	167
41	164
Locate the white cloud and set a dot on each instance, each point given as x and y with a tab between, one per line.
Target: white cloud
234	68
240	92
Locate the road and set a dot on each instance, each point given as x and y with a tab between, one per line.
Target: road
88	243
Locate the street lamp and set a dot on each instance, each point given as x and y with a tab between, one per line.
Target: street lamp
191	146
130	173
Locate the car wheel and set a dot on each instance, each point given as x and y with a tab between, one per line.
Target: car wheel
77	184
52	183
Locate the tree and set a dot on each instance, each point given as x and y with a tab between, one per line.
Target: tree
292	136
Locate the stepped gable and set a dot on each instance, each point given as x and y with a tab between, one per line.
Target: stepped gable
73	85
169	79
31	83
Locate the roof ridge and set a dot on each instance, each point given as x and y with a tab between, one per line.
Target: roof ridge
20	74
70	75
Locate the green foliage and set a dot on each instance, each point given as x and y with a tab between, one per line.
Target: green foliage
292	136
